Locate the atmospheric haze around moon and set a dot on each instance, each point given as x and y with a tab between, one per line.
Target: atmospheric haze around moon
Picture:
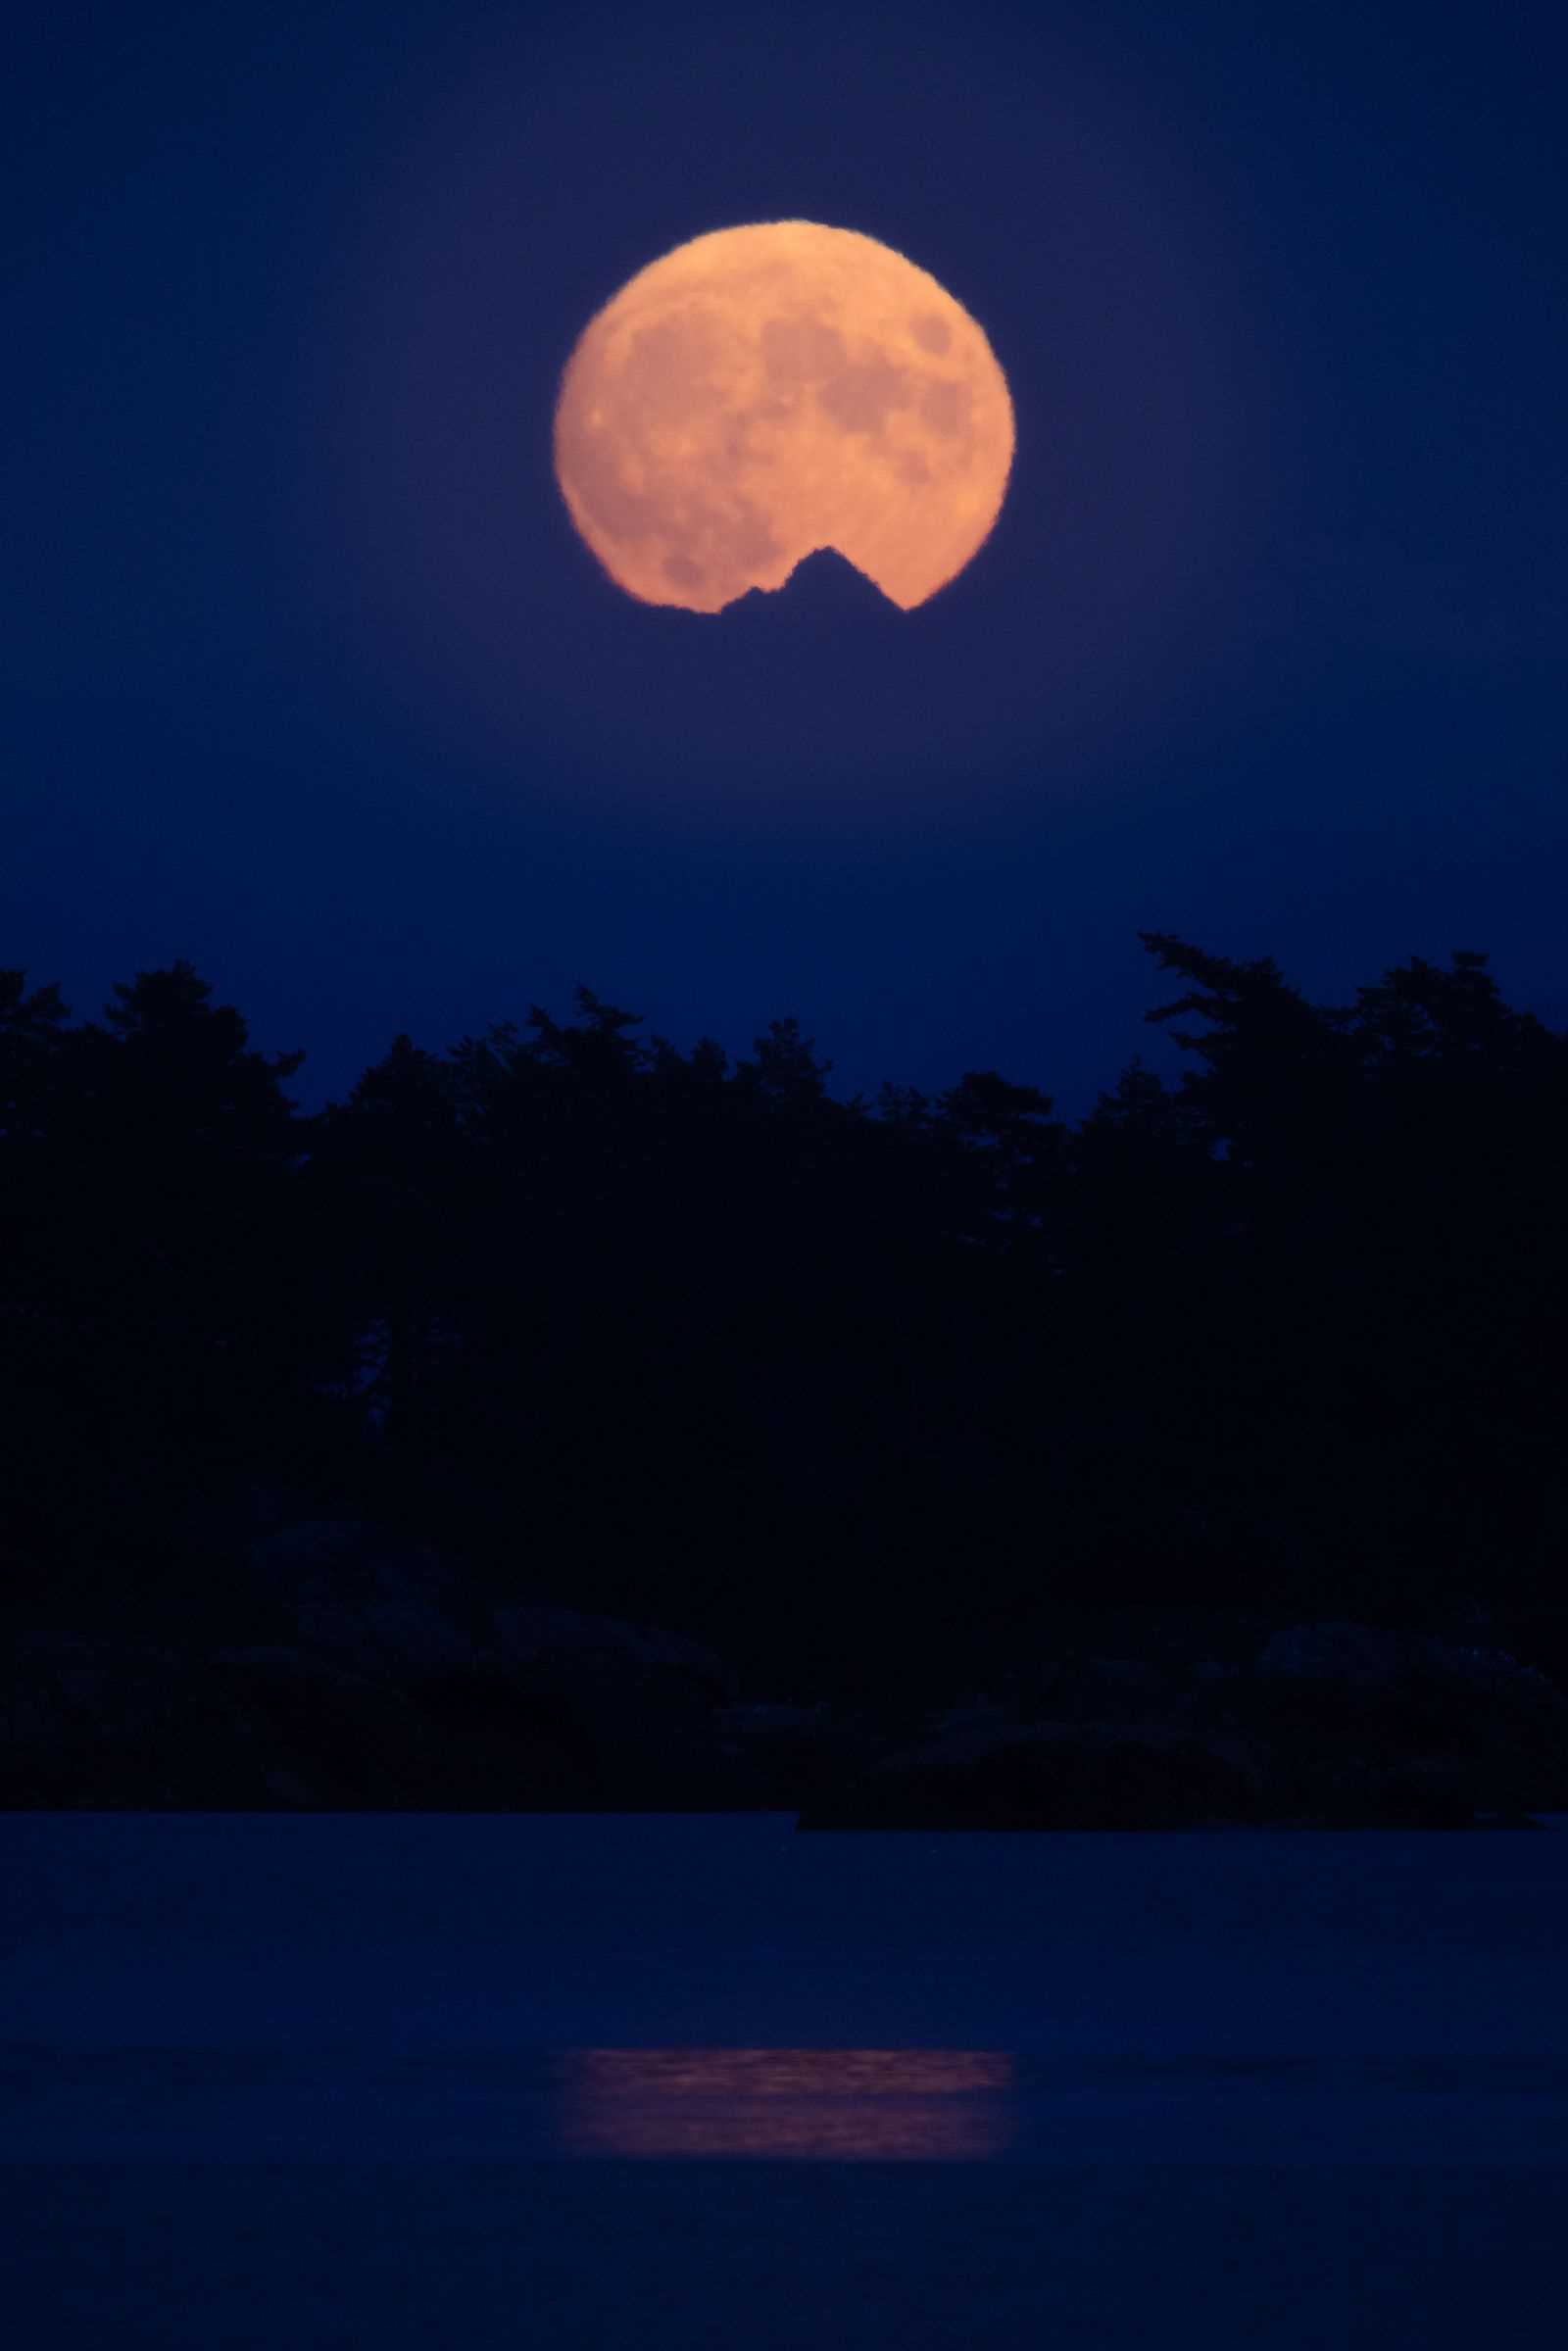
764	391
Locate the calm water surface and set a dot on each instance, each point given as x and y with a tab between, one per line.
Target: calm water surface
695	2080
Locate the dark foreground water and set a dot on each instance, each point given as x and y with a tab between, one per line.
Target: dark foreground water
696	2080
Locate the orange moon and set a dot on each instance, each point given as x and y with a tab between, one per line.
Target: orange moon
765	391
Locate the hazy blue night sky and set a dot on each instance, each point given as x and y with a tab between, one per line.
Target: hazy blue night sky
307	678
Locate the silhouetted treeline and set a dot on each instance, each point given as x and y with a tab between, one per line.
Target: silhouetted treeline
659	1333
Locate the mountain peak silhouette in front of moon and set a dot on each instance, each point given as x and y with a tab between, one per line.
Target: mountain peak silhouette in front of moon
823	586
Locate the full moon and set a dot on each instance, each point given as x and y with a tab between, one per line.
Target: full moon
761	392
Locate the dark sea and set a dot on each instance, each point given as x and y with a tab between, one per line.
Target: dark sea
698	2081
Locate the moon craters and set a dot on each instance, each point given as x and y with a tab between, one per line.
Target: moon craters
801	351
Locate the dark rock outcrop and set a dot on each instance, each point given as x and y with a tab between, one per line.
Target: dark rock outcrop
639	1699
1333	1726
360	1596
101	1727
602	1653
1056	1776
1394	1728
370	1676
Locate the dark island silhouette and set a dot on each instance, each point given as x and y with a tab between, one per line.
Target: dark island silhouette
823	591
569	1418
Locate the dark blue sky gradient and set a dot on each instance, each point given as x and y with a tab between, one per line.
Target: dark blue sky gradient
307	678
